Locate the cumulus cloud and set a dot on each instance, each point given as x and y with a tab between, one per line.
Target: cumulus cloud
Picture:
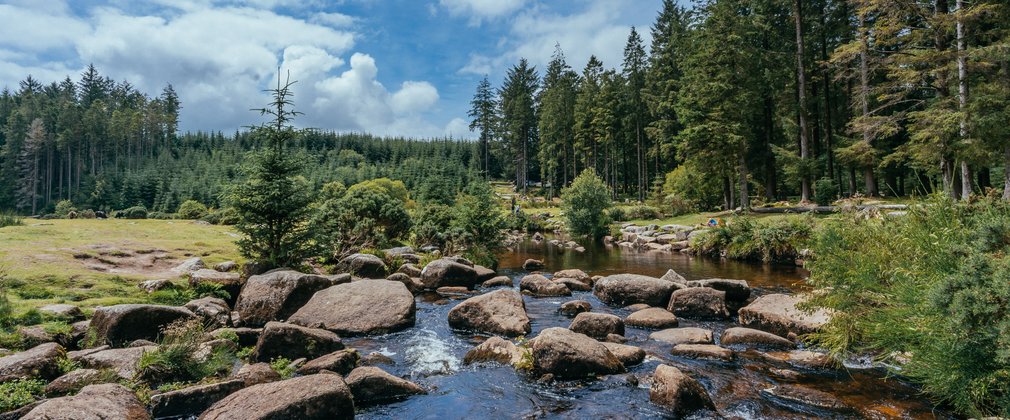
29	29
479	10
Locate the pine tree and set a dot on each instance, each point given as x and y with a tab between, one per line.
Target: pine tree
482	114
519	118
586	135
557	121
635	66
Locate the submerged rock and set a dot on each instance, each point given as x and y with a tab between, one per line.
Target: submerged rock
798	394
597	325
501	312
313	397
275	296
359	308
570	355
752	337
655	318
371	385
778	315
678	392
699	303
627	289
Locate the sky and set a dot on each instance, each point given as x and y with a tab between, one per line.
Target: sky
386	67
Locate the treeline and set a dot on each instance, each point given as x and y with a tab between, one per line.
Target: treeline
105	145
767	99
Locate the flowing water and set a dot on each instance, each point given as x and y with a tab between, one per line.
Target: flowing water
431	354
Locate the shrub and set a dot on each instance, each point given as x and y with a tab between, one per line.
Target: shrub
523	221
63	208
478	222
617	214
929	293
825	191
223	216
162	216
135	212
748	239
86	214
20	392
174	360
366	216
283	367
431	225
687	187
585	203
642	213
8	218
191	210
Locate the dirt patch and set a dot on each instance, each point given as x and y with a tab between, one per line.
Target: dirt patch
145	262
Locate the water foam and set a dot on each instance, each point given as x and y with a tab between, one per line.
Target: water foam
427	354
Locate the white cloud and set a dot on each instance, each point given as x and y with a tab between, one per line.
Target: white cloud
413	97
38	30
478	10
481	64
337	20
458	128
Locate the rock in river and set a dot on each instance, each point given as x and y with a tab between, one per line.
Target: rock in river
627	289
275	296
570	355
652	318
629	355
363	265
575	307
313	397
699	303
447	272
371	385
778	315
687	335
597	325
494	349
341	361
678	392
500	312
359	308
702	351
756	338
540	286
292	341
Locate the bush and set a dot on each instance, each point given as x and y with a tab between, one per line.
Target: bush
136	212
224	216
642	213
63	208
366	216
929	293
748	239
10	219
431	225
478	221
86	214
524	222
617	214
20	392
825	191
192	210
687	188
585	204
175	361
162	216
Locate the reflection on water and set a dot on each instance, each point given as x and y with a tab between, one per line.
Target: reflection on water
430	354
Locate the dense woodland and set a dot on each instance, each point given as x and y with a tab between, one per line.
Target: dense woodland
765	98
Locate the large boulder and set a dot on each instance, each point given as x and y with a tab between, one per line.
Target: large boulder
755	338
410	269
627	289
41	361
674	276
501	312
341	361
446	272
359	308
573	285
736	290
597	325
214	311
121	361
77	379
256	373
687	335
540	286
494	349
363	265
192	400
321	396
497	282
656	318
483	273
532	264
189	266
229	282
678	392
371	385
292	341
574	273
699	303
778	315
570	355
275	296
119	325
105	401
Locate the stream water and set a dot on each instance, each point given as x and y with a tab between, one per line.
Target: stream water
431	354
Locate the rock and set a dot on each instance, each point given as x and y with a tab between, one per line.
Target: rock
397	251
276	296
214	311
616	338
537	237
79	330
246	336
702	351
687	335
798	394
192	400
629	355
575	307
751	337
77	379
803	359
121	324
445	272
627	289
256	373
637	307
656	318
69	313
376	358
359	308
460	260
532	264
574	273
254	268
572	284
498	281
484	273
699	303
413	285
540	286
674	277
570	355
494	349
454	291
36	334
736	290
363	265
410	269
597	325
501	312
293	341
778	315
151	286
371	385
189	266
678	392
41	361
341	361
226	266
105	401
121	361
141	343
320	396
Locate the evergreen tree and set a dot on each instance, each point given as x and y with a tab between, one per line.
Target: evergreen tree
519	118
482	114
557	121
635	66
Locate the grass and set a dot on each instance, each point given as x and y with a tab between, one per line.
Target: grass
70	261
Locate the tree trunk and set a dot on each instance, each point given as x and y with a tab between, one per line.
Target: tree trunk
962	91
727	194
864	92
744	190
828	133
1006	171
801	82
852	180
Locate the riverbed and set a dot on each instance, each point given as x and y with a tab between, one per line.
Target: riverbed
431	354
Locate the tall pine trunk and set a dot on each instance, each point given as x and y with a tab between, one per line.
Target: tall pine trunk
864	92
962	98
801	82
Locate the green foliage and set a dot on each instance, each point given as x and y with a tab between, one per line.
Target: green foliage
63	208
135	212
431	224
192	209
9	218
67	365
177	296
225	216
825	191
478	222
283	367
745	238
928	292
20	392
617	214
175	360
524	222
642	213
526	362
368	215
687	190
585	204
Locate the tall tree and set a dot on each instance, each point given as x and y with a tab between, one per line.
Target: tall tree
586	135
557	121
669	48
801	87
482	119
519	118
635	66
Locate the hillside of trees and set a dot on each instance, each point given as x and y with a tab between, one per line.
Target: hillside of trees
763	99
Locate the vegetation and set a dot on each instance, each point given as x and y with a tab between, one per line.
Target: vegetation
192	209
928	293
177	357
20	392
585	205
743	238
8	218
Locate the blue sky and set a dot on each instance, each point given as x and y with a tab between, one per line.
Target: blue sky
395	67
